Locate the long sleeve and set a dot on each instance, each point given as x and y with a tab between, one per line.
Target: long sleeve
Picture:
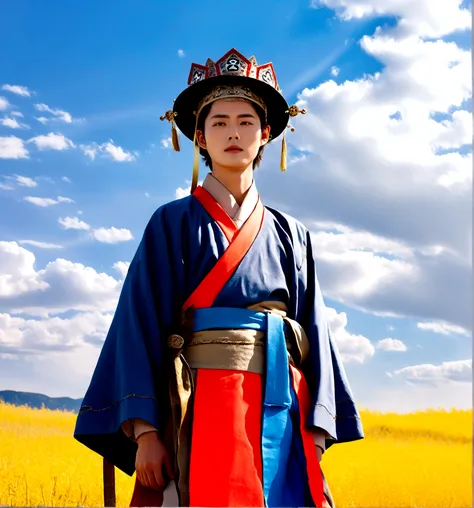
334	407
129	380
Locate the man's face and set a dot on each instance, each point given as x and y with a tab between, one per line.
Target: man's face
232	124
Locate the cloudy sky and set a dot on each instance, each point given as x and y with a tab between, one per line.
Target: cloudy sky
379	171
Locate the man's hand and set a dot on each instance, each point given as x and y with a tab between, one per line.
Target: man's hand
151	459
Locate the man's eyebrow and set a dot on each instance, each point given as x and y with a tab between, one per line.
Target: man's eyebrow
243	115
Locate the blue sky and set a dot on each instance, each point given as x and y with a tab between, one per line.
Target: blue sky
380	171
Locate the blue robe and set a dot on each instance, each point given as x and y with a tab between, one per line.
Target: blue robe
180	245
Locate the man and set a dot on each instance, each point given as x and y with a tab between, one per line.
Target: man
219	370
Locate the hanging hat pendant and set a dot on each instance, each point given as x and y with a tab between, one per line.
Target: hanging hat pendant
169	115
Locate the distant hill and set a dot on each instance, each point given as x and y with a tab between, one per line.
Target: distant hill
38	400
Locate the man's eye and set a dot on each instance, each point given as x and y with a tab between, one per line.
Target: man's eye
218	123
246	123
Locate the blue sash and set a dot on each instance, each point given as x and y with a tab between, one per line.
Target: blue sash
277	428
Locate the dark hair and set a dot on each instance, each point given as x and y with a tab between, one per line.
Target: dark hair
200	126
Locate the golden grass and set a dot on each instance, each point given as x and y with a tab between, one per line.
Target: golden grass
421	459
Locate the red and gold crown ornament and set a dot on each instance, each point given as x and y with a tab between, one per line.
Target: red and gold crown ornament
233	76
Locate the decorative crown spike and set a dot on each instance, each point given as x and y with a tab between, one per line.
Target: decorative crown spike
267	74
197	73
233	63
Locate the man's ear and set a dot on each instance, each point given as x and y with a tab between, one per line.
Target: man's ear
201	140
265	135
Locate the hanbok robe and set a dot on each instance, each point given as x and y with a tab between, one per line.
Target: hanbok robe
181	244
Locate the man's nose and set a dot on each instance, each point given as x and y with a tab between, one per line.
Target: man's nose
235	135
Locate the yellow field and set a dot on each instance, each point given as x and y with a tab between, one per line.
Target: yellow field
422	459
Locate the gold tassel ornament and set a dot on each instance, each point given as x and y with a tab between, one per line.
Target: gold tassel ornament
283	153
175	137
196	159
169	115
293	111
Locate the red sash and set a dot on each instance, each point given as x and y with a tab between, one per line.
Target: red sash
240	242
215	210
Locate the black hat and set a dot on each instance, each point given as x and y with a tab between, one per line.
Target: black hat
232	76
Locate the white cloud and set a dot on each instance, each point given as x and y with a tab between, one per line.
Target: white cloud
182	192
358	257
296	159
12	147
26	181
25	337
335	71
58	114
388	278
41	245
352	348
90	150
61	286
17	273
448	372
18	90
389	344
66	179
4	186
180	53
111	235
122	268
340	239
42	119
10	122
73	223
455	132
17	113
52	141
4	104
13	123
443	328
43	202
424	17
117	153
166	142
35	354
108	150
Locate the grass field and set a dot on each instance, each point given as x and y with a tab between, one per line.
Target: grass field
421	459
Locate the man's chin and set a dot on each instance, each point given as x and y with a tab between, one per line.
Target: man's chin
235	166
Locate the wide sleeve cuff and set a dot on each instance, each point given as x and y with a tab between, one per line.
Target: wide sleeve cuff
322	418
100	429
